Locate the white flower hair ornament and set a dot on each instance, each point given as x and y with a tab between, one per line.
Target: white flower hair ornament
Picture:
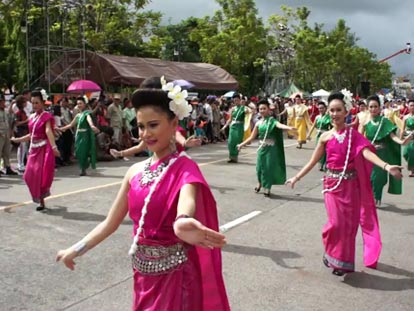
178	103
85	98
347	99
44	94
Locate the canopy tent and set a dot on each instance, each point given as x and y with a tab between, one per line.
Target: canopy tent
292	89
321	94
131	71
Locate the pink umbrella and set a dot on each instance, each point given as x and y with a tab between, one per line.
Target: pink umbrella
80	86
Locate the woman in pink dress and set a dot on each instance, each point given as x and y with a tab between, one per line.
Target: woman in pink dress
348	195
175	252
40	167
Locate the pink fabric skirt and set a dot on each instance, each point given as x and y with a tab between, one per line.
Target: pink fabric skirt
179	290
40	171
339	233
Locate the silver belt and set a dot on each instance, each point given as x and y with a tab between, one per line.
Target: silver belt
38	144
267	142
82	130
236	122
155	260
337	174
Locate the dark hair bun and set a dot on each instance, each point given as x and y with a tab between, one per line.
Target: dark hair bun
374	98
156	98
337	95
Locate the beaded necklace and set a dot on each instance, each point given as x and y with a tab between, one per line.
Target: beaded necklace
266	132
237	114
378	130
147	199
342	174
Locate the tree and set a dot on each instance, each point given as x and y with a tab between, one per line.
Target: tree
235	39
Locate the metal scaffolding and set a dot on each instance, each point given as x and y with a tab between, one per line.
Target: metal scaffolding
45	47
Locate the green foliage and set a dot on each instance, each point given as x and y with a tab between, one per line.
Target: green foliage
235	39
324	59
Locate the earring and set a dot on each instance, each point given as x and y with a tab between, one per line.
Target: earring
173	146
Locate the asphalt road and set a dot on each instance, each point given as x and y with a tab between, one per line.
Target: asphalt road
271	262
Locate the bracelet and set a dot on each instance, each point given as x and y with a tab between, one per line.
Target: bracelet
122	153
80	248
385	165
54	147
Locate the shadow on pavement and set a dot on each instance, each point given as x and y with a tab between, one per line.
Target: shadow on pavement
277	256
301	198
376	282
394	209
222	190
394	270
62	211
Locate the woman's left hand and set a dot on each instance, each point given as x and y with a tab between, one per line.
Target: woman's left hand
194	232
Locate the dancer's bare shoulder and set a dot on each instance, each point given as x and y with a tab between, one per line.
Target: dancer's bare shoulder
135	169
326	136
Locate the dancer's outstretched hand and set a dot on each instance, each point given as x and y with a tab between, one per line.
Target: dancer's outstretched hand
292	181
395	170
192	141
115	153
67	256
194	232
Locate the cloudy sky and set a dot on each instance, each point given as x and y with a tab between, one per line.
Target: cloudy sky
383	26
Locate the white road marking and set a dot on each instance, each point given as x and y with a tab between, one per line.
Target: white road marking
239	221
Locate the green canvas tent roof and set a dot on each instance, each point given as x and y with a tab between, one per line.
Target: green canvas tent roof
290	90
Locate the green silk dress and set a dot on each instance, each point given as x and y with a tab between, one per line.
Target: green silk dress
387	150
409	149
270	163
236	132
323	124
85	150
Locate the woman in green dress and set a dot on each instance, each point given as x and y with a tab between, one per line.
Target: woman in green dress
85	150
322	124
236	123
270	163
408	130
381	132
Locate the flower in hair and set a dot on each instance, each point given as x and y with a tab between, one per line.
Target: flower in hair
178	103
166	86
44	94
347	98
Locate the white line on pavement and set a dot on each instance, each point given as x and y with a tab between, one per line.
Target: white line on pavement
238	221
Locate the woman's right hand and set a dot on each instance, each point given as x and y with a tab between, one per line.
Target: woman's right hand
115	153
67	256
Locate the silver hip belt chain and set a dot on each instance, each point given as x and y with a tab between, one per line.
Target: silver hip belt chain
337	174
155	260
236	122
267	142
379	146
38	144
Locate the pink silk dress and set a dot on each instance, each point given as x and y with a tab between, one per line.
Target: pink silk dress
350	205
198	285
40	168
